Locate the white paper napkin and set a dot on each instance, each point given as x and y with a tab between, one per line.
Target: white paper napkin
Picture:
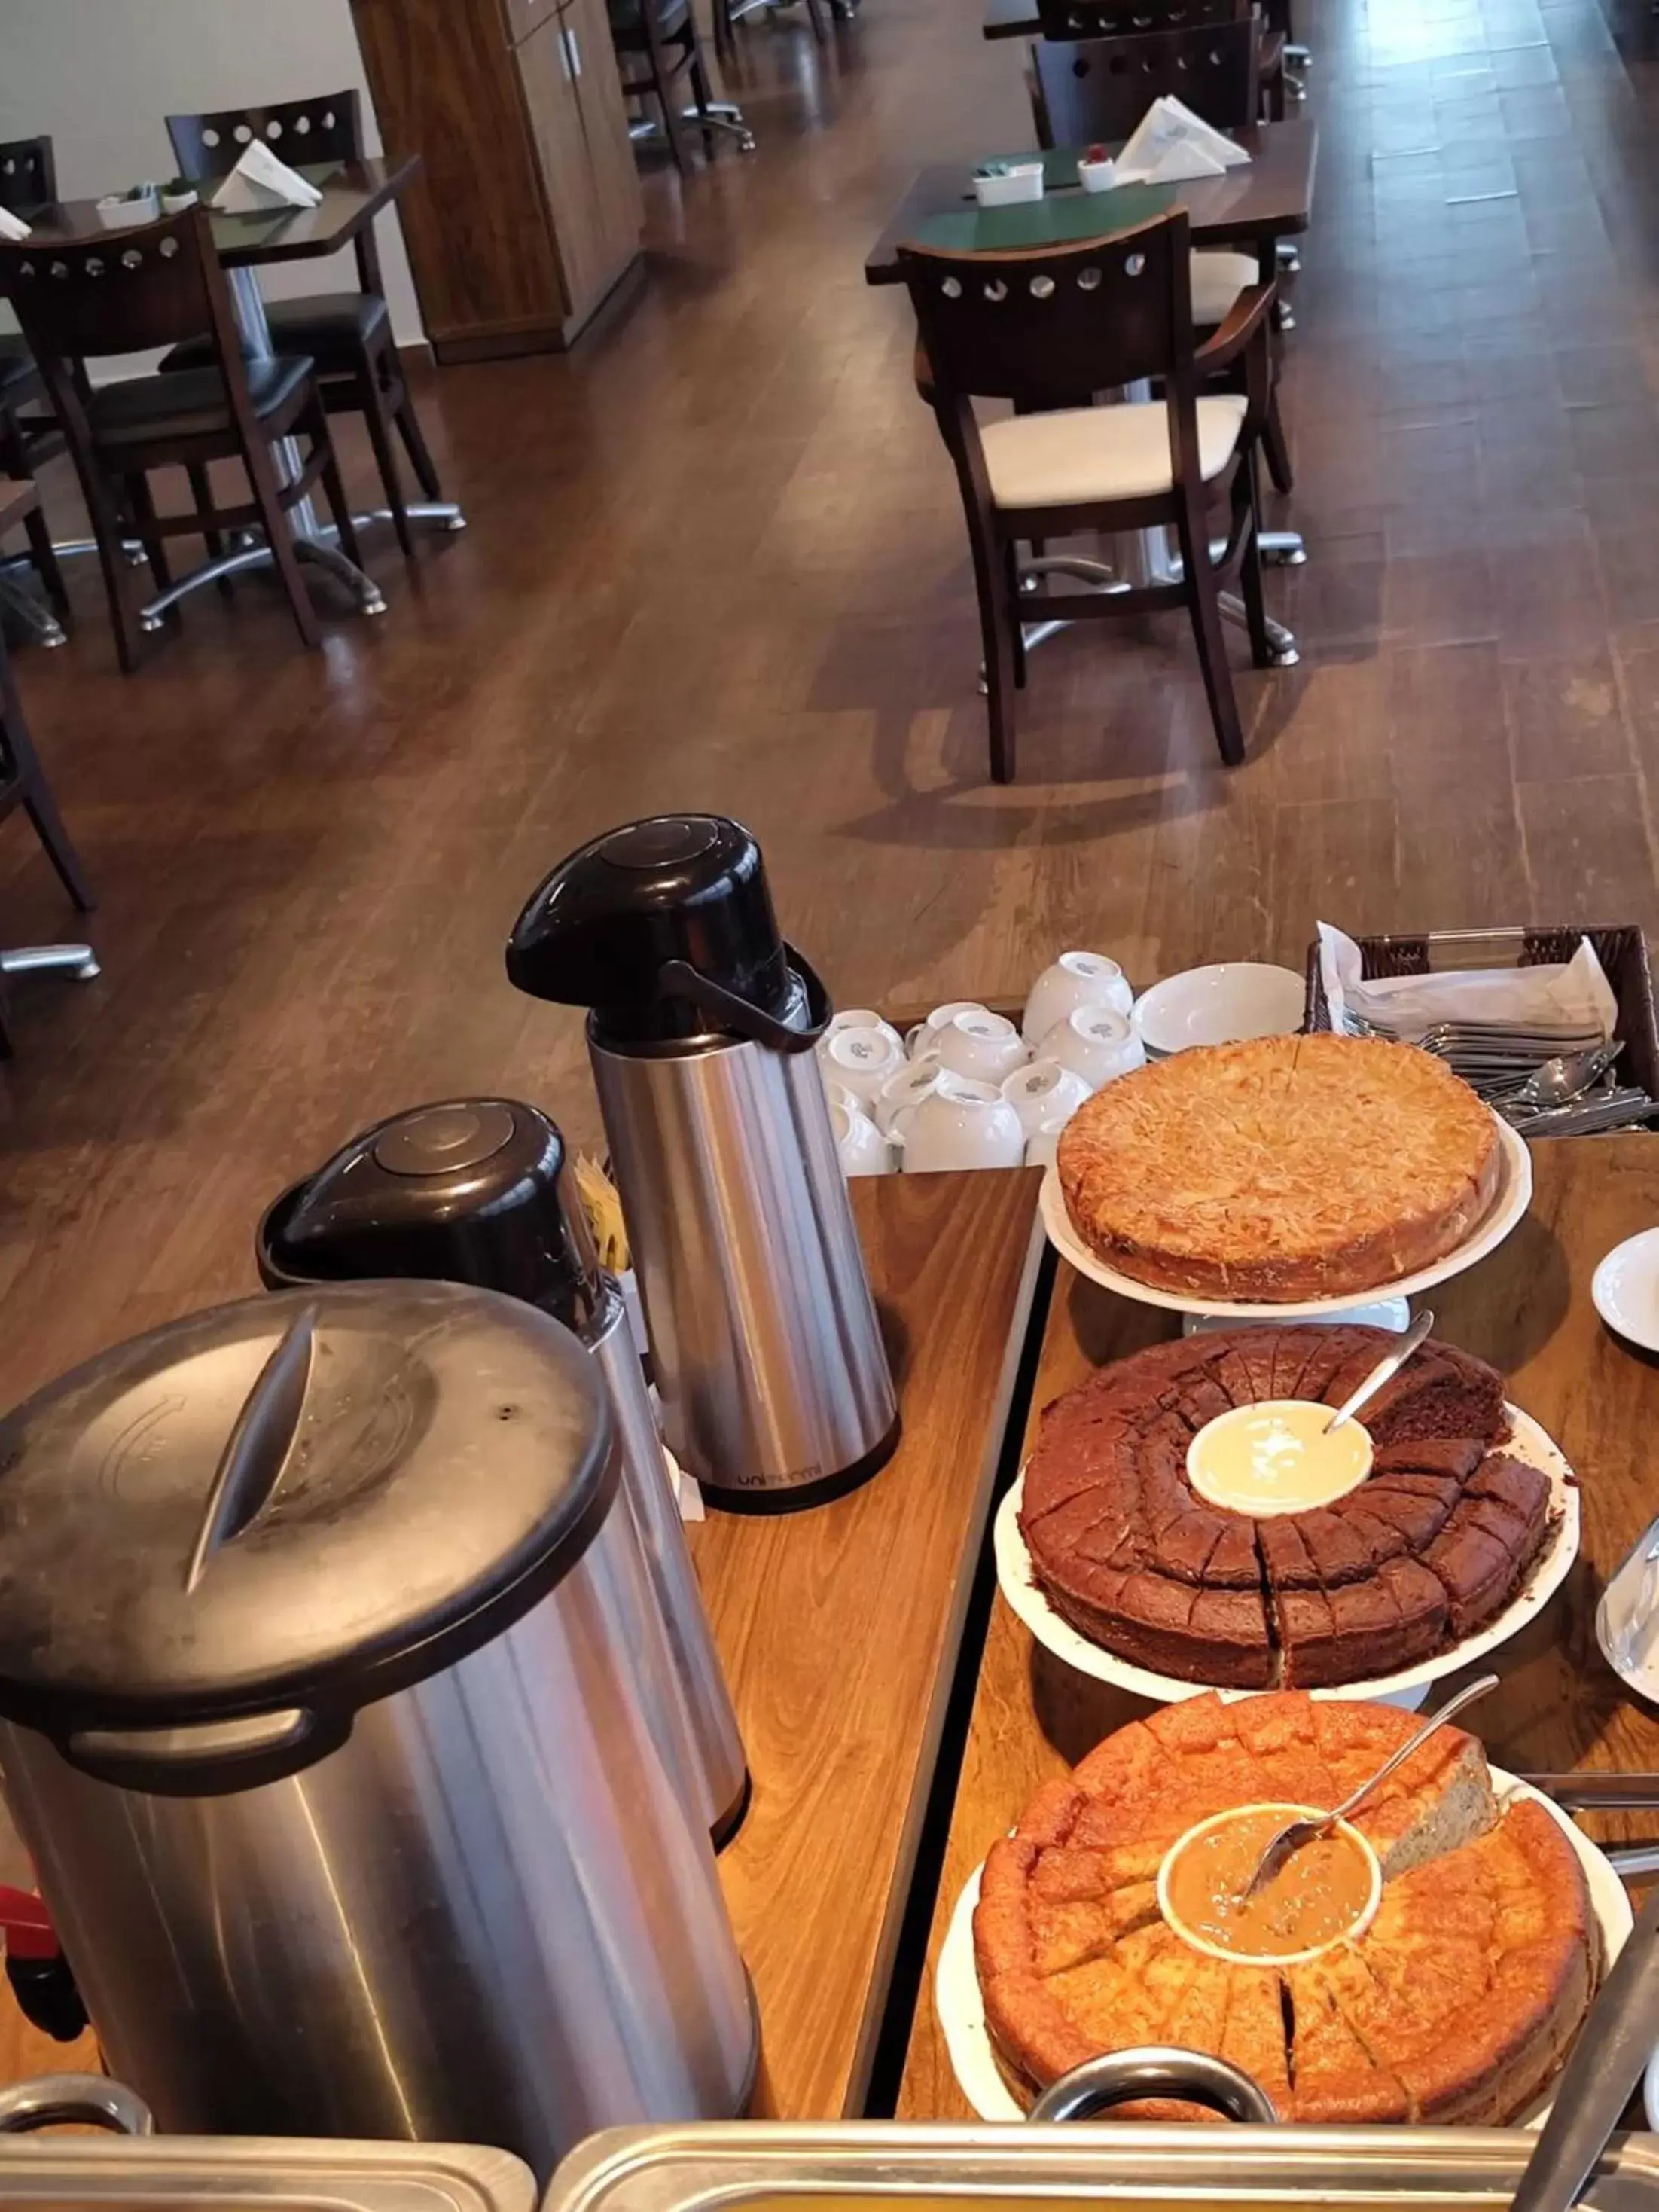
12	226
1171	144
1627	1618
260	181
1567	993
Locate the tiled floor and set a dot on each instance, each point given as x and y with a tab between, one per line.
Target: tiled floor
716	559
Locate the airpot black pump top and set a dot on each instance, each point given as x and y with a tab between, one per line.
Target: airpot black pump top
664	930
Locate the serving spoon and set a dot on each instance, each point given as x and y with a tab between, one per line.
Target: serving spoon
1386	1367
1292	1836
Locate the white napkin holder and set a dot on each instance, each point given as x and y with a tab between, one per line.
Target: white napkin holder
1571	993
1172	146
13	226
259	182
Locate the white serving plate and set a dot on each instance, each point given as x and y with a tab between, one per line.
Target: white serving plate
1626	1289
1510	1201
1227	1003
1408	1686
961	2008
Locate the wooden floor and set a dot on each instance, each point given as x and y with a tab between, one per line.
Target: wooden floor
716	559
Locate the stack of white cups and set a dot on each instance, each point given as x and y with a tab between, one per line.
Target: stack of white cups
967	1089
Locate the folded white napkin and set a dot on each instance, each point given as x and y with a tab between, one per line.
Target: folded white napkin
1562	993
1170	144
12	226
260	181
1628	1616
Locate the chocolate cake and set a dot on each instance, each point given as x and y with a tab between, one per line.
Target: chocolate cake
1423	1552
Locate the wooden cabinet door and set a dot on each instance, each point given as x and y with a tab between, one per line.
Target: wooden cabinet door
547	69
521	17
620	211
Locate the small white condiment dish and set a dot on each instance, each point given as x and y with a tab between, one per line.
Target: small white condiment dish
1286	1812
1023	181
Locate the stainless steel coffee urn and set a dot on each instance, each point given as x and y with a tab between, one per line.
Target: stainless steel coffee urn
315	1717
775	1383
476	1190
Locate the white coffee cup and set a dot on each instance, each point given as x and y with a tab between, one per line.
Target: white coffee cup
1097	1043
925	1035
1042	1144
1076	979
860	1145
1043	1090
960	1124
857	1018
909	1087
862	1061
982	1046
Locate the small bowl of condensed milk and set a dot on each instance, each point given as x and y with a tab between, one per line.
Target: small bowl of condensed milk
1325	1893
1279	1456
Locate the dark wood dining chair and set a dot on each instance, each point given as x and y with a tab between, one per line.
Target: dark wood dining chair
654	41
1069	21
1100	88
23	784
1048	330
348	335
30	436
137	291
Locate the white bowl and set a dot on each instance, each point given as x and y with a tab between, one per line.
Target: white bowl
960	1124
1226	1004
177	203
925	1035
859	1145
1023	182
983	1047
1097	1043
857	1018
908	1087
862	1061
1076	979
1043	1092
1286	1812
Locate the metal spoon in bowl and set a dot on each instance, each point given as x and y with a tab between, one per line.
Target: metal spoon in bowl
1386	1367
1292	1836
1567	1077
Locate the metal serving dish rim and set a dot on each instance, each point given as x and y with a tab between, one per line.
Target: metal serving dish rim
339	2173
693	2169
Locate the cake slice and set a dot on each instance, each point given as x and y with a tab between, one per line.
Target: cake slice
1338	2082
1480	1570
1338	1553
1456	1456
1285	1560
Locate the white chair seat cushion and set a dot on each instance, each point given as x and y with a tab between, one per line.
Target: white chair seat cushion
1076	455
1217	280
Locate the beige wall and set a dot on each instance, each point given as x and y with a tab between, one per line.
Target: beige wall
99	75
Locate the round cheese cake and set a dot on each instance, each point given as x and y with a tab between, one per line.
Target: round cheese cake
1280	1171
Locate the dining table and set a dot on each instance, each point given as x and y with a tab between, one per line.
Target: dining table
1251	207
352	194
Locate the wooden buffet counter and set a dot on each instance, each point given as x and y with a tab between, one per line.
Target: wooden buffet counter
1527	1309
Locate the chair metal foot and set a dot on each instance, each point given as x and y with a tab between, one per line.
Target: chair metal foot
79	960
37	620
1282	549
1290	256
